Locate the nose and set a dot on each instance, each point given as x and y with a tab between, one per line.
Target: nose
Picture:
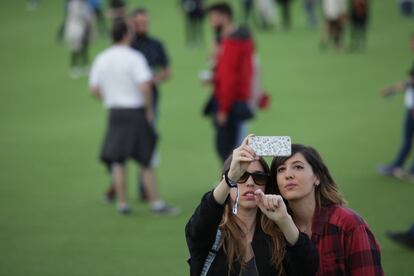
288	173
250	181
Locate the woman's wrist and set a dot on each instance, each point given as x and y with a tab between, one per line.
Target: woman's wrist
289	229
232	176
284	222
221	192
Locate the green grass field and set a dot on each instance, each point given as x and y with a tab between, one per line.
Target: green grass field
52	217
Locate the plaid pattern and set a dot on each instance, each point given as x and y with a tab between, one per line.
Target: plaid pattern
345	243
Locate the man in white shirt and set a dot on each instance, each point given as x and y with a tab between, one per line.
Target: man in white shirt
334	12
121	78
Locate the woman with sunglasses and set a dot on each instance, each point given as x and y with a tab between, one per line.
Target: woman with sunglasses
344	241
256	234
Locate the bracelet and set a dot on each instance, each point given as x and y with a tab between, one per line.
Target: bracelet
230	183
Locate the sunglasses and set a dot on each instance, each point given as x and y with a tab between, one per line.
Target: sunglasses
259	178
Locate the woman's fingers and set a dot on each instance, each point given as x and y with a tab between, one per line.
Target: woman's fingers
237	155
275	202
266	204
259	196
270	203
259	192
245	159
248	149
246	140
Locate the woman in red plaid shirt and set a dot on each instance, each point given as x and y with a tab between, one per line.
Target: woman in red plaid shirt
344	241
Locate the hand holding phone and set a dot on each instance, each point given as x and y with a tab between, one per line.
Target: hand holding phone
271	145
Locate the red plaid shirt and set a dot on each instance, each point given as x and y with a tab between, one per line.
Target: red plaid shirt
345	243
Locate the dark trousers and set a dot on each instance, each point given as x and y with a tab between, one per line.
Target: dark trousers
335	30
358	35
285	7
408	134
412	231
247	7
81	57
194	30
227	137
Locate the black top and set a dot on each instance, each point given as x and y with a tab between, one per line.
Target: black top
300	259
359	11
250	269
152	49
155	54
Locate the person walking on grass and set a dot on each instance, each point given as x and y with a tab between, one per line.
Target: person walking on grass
121	78
334	12
78	29
285	8
310	7
359	17
232	80
404	238
406	86
193	11
396	167
159	63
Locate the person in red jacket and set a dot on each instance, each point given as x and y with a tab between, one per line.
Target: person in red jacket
232	79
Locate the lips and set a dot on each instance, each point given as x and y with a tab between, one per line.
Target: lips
290	186
249	195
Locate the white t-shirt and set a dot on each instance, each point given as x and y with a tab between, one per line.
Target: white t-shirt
117	72
333	9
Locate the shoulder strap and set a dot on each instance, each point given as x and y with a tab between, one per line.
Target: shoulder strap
212	254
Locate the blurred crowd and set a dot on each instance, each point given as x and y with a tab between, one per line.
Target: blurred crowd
127	76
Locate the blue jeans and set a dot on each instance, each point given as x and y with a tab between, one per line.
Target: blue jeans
412	230
310	8
408	134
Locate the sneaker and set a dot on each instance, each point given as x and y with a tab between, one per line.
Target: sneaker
403	175
400	174
110	195
402	238
166	210
124	210
386	170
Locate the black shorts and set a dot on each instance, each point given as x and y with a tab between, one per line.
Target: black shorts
128	135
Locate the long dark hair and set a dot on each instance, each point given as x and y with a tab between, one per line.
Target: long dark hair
233	234
327	192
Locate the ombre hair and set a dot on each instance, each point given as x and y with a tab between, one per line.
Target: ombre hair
233	234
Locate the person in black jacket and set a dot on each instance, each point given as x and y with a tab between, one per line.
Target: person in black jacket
258	236
359	15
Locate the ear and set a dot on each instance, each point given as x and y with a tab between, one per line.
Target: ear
317	180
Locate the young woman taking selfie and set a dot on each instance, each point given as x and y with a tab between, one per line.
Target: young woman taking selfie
256	236
343	239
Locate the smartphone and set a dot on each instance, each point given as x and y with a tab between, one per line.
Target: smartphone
271	145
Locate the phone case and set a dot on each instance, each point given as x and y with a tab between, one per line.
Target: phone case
271	145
